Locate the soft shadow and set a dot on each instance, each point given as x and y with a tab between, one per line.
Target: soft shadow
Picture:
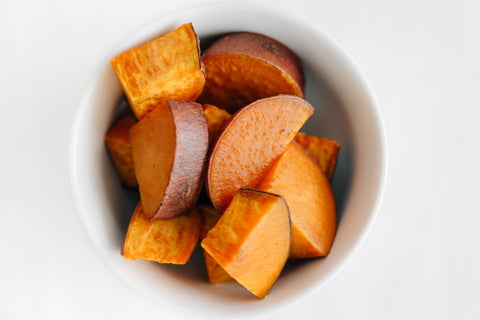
331	121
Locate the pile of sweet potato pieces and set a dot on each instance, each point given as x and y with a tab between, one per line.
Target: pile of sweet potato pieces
226	121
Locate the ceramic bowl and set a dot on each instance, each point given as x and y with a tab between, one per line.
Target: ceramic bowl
345	110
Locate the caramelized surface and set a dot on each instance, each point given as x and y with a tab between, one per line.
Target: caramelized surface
216	119
164	241
322	150
120	149
165	68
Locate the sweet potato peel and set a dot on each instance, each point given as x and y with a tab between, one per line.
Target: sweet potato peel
244	66
169	149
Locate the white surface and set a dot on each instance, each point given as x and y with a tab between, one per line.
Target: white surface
422	258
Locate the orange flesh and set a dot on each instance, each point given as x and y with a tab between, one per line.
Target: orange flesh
254	138
323	151
215	272
153	150
120	149
165	68
164	241
298	178
235	80
251	240
216	119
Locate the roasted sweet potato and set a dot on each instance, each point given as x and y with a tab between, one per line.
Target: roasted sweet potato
299	179
249	144
164	241
216	119
251	241
169	149
215	272
165	68
322	150
243	67
120	149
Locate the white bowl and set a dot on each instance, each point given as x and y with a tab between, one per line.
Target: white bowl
345	111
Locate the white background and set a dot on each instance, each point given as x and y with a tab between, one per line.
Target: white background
422	257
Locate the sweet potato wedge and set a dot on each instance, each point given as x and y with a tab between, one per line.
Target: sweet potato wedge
169	149
244	66
165	68
215	272
216	119
251	241
249	144
164	241
120	149
322	150
299	179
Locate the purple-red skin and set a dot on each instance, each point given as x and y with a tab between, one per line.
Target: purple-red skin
261	47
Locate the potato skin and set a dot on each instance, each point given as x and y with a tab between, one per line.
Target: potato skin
169	149
261	47
186	178
244	66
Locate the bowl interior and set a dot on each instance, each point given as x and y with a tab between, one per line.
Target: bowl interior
344	111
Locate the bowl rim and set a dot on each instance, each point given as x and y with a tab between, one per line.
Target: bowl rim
340	52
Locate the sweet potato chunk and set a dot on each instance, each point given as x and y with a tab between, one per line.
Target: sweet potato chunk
164	241
322	150
215	272
169	149
251	240
298	178
216	119
165	68
243	67
249	144
120	149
